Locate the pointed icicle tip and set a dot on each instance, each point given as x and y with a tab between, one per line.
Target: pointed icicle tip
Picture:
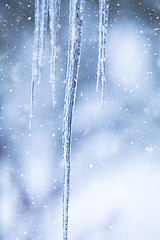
30	123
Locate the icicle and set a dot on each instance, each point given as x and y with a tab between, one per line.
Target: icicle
35	56
103	26
42	37
99	45
74	49
54	13
39	47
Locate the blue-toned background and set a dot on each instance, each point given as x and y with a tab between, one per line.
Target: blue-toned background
115	168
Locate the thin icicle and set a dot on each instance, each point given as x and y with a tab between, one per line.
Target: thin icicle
103	26
41	10
35	65
75	33
99	45
42	37
54	13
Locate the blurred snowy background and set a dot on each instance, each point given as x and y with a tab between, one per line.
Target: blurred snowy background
115	172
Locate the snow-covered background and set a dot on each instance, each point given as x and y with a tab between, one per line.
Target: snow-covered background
115	167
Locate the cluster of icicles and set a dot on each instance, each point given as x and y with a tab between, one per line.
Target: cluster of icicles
51	9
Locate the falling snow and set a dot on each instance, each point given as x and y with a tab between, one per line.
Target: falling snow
110	156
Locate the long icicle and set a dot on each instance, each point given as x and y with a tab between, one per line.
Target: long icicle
41	10
75	34
99	45
54	13
103	26
43	27
35	69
